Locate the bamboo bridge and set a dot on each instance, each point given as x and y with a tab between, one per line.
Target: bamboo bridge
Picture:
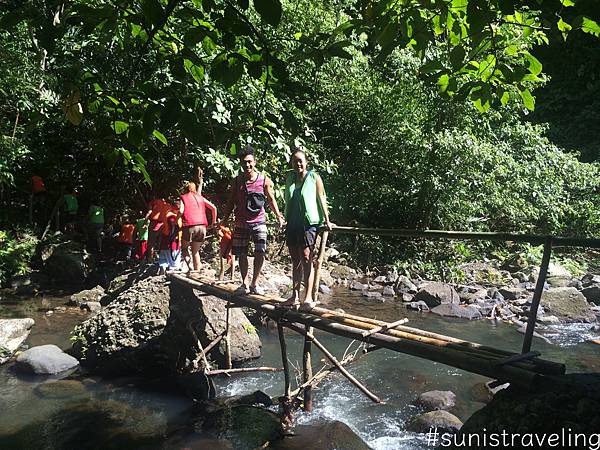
523	369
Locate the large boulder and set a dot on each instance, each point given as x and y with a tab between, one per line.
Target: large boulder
45	360
13	333
568	304
156	327
66	262
435	294
124	336
569	403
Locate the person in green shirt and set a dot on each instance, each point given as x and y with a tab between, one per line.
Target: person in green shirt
96	224
141	237
305	211
71	208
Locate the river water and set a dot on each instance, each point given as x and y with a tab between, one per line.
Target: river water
89	412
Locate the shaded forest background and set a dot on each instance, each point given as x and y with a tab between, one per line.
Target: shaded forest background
119	98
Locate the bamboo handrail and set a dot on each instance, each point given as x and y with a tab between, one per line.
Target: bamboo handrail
469	235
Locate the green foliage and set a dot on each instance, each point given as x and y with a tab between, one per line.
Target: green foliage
16	250
79	340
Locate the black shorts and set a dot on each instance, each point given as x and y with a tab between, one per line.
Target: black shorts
194	233
302	238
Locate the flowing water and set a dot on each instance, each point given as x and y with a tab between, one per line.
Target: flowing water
95	413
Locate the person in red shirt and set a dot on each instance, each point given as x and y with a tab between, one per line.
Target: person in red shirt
156	210
192	208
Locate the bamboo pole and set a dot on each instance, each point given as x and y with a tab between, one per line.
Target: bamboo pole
243	370
339	367
537	296
284	360
385	327
227	339
307	370
467	235
318	264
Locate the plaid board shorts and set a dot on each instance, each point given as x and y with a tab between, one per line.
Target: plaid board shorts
242	233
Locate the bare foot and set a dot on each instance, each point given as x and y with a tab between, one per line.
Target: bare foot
306	305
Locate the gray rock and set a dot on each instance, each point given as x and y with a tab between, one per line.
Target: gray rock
88	295
380	279
407	298
357	286
577	284
515	263
521	276
341	271
373	295
324	436
550	320
45	360
389	291
484	274
326	278
13	333
405	285
592	293
453	310
558	281
511	293
437	400
435	294
568	304
589	279
324	289
442	420
472	297
418	306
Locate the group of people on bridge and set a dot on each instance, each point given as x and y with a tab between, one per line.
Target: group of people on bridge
174	232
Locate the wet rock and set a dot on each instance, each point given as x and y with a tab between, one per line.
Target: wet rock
324	435
13	333
89	295
69	389
373	295
357	286
454	310
511	293
45	360
434	294
389	291
324	289
444	421
568	304
418	306
592	293
437	400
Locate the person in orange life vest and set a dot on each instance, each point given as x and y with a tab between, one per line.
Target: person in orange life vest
225	247
170	240
37	200
156	208
192	209
125	240
249	192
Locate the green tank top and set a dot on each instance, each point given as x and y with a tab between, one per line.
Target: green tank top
71	204
142	232
309	202
96	214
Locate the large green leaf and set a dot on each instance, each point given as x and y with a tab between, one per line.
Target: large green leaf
269	10
528	99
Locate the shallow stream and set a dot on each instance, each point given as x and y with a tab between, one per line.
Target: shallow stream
94	413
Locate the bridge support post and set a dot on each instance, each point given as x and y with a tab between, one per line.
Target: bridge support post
307	371
537	295
227	340
318	264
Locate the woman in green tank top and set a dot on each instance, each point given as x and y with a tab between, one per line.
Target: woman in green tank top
305	211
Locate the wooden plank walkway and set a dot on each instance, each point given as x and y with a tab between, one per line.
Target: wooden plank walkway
520	369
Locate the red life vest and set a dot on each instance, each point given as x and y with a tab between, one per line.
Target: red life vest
126	234
194	210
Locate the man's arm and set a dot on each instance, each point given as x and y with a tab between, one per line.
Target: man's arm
272	201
